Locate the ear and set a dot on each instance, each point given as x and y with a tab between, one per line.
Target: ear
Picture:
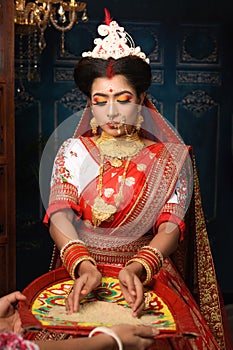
142	97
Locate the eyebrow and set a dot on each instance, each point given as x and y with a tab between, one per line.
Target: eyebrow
116	95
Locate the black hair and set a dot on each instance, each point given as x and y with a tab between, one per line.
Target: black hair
133	68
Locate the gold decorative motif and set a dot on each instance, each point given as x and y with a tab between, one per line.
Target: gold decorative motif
115	162
101	211
119	147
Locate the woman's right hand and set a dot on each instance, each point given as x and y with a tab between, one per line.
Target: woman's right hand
89	279
135	337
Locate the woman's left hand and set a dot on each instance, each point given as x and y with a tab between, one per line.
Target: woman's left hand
132	289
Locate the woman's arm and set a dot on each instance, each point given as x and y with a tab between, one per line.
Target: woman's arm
100	342
132	338
61	227
76	258
131	277
167	238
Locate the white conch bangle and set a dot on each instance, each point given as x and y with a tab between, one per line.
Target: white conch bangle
108	331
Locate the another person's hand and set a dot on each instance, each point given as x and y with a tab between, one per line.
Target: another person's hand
89	279
9	316
132	289
135	337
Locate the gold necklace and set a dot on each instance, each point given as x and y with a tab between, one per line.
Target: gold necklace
102	211
117	148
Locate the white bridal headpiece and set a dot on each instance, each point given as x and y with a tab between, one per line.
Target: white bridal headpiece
116	44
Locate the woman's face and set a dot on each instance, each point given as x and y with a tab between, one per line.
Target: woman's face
115	105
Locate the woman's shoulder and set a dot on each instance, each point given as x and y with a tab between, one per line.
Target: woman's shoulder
151	144
71	144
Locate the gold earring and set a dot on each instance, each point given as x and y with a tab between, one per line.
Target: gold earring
94	125
140	119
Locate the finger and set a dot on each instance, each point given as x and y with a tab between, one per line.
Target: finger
139	300
76	295
128	291
138	310
15	296
69	304
146	331
128	297
128	281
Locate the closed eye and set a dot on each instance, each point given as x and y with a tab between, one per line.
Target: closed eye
125	98
100	101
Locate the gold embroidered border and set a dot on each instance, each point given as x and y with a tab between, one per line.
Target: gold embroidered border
173	208
162	170
208	288
63	192
121	254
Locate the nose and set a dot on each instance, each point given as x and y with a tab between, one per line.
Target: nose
112	112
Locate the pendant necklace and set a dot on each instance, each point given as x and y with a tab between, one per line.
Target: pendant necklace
115	150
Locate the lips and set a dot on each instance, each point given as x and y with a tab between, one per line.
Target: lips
111	126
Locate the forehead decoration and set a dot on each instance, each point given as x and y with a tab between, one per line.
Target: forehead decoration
116	44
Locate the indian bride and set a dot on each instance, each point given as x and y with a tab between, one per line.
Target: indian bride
125	192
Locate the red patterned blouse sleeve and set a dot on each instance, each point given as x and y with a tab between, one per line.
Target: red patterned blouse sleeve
64	180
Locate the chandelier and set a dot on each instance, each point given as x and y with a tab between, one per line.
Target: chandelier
60	14
33	18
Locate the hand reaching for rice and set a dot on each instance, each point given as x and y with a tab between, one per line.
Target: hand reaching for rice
88	280
132	287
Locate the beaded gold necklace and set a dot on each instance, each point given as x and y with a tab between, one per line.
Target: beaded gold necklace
116	150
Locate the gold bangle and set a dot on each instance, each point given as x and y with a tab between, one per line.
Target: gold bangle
146	267
70	243
77	262
156	251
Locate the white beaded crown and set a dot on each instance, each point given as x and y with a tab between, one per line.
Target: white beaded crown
116	44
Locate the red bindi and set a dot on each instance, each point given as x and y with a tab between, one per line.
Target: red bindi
110	90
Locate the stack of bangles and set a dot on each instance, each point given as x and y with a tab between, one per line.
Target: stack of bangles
151	259
72	254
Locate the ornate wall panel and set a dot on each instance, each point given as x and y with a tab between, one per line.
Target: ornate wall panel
198	45
197	119
198	77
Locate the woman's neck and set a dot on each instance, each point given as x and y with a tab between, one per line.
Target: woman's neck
106	137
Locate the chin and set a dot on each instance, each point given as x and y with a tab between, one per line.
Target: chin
110	130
